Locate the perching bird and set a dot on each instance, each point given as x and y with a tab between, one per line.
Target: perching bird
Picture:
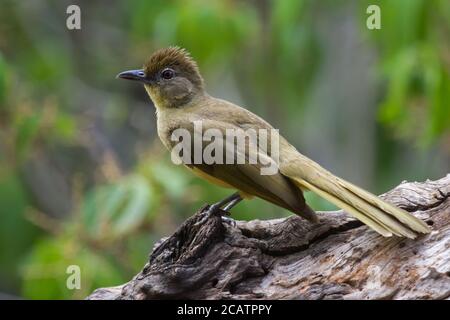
173	81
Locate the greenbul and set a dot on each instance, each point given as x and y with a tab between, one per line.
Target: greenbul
173	82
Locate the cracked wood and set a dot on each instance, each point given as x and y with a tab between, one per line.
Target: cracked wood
337	258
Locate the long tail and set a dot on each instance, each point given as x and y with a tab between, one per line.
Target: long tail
381	216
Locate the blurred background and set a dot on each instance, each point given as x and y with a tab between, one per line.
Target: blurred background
84	179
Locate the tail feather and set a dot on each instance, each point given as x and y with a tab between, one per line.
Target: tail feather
381	216
348	208
400	214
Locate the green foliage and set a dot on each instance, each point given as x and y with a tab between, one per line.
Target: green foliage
13	202
173	181
414	52
3	75
26	128
110	217
223	25
44	272
114	210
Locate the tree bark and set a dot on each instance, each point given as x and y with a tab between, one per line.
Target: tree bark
337	258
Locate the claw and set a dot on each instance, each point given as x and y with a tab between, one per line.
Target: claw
230	221
221	209
212	209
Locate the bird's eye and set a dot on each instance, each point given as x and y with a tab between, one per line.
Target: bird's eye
167	74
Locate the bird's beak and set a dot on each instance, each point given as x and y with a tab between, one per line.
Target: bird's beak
136	75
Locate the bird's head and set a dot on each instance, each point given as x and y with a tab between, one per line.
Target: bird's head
170	76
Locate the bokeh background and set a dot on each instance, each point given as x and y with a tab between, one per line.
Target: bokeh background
84	179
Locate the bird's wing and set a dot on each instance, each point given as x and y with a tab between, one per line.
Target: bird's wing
246	177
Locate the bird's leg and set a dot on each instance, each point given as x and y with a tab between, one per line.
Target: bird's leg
236	199
232	203
226	204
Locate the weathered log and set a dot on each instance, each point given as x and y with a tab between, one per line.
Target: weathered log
337	258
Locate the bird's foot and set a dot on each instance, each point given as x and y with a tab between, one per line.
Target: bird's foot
215	209
228	220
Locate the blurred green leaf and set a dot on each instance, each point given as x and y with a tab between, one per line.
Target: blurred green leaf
413	49
137	205
27	128
174	179
113	210
45	275
64	126
3	76
14	202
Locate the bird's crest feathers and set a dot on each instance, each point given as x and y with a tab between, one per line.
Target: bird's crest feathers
173	57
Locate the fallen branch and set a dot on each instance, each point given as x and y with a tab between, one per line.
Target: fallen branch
289	258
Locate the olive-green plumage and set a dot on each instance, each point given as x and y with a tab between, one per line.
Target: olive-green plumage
173	82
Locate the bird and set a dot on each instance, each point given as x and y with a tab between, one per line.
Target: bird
173	81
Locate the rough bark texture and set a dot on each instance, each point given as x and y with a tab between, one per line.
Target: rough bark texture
338	258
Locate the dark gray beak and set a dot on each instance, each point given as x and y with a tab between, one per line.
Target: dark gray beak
136	75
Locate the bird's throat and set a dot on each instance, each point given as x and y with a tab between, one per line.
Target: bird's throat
155	96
